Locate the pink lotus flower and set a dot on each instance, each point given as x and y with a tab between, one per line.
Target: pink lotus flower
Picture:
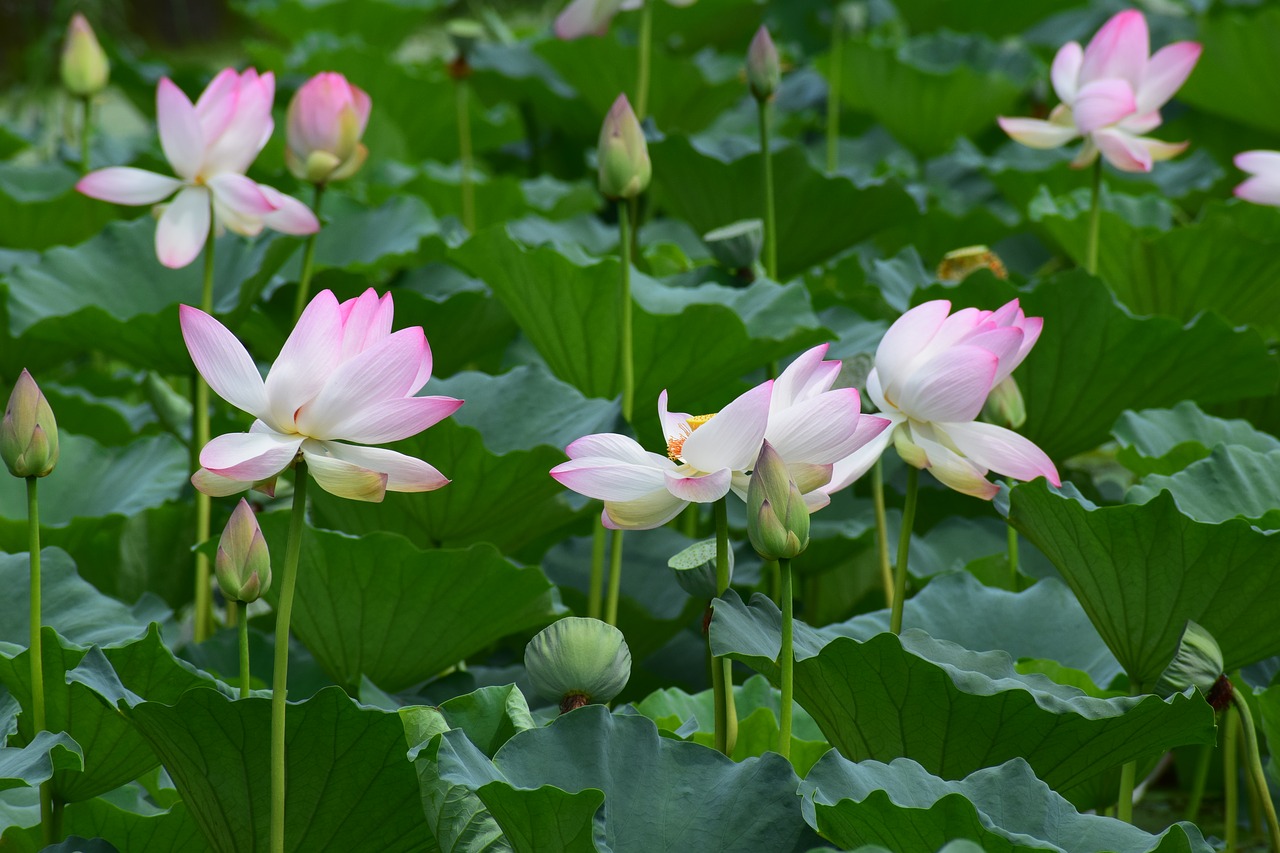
592	17
210	146
1263	185
342	375
326	119
932	375
1112	92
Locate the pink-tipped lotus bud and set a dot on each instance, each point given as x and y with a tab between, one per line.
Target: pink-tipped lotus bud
29	433
577	661
1005	406
777	517
623	155
764	73
85	68
325	121
243	564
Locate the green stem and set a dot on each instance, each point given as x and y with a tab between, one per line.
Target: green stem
1095	219
1128	776
36	652
308	260
86	130
1230	782
624	320
904	548
726	716
280	675
199	438
1013	557
1255	768
595	588
882	530
615	579
465	156
833	91
1198	783
786	659
642	73
770	227
243	629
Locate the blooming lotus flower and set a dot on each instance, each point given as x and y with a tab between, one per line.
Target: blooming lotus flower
933	372
326	119
210	145
1112	92
342	376
1263	185
592	17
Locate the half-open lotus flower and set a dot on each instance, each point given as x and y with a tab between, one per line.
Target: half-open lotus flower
592	17
933	372
1111	93
1263	183
342	376
210	146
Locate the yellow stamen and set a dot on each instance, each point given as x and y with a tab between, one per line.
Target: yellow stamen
675	446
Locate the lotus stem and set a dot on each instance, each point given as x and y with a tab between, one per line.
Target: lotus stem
1230	781
199	438
1124	805
770	224
1198	783
615	579
595	588
726	715
1095	219
1012	534
626	355
1255	768
882	530
280	675
786	659
308	259
36	652
833	92
242	619
465	156
646	47
904	548
86	131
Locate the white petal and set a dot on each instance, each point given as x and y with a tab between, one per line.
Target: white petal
223	361
183	228
732	438
1001	450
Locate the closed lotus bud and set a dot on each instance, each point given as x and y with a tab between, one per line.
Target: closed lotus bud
578	661
764	73
85	68
1004	406
325	121
736	246
695	568
624	168
777	517
29	433
1197	663
243	564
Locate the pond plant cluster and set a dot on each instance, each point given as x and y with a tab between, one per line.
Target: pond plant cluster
341	516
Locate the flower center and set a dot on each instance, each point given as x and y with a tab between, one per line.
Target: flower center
675	446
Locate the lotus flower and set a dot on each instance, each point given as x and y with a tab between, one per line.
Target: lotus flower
1112	92
342	376
210	146
933	372
1263	185
326	119
592	17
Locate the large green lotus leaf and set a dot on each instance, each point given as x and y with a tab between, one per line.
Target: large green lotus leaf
380	22
114	752
1221	263
368	240
1243	80
1233	482
711	189
1094	359
1141	571
891	696
172	831
1004	808
376	605
995	18
569	309
1164	441
466	327
38	761
40	207
931	89
658	794
111	294
724	24
497	449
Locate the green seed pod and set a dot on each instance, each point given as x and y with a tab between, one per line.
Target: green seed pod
695	568
737	246
464	33
577	661
777	517
624	167
29	433
243	563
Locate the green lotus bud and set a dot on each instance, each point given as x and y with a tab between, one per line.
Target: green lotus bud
29	433
85	68
243	564
695	568
1004	405
764	74
1197	663
624	168
736	246
577	661
777	517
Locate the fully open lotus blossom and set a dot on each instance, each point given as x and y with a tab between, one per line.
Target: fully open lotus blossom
933	372
210	145
1112	92
342	376
326	119
1263	184
592	17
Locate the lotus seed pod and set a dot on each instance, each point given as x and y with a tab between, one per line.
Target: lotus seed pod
29	433
577	661
777	517
85	68
624	167
1004	406
464	34
695	569
1197	663
764	73
243	564
959	264
736	246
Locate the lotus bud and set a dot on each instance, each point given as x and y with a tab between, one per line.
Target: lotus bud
737	246
243	564
959	264
624	168
29	433
764	74
1197	663
777	517
577	661
1004	405
695	568
85	68
325	121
